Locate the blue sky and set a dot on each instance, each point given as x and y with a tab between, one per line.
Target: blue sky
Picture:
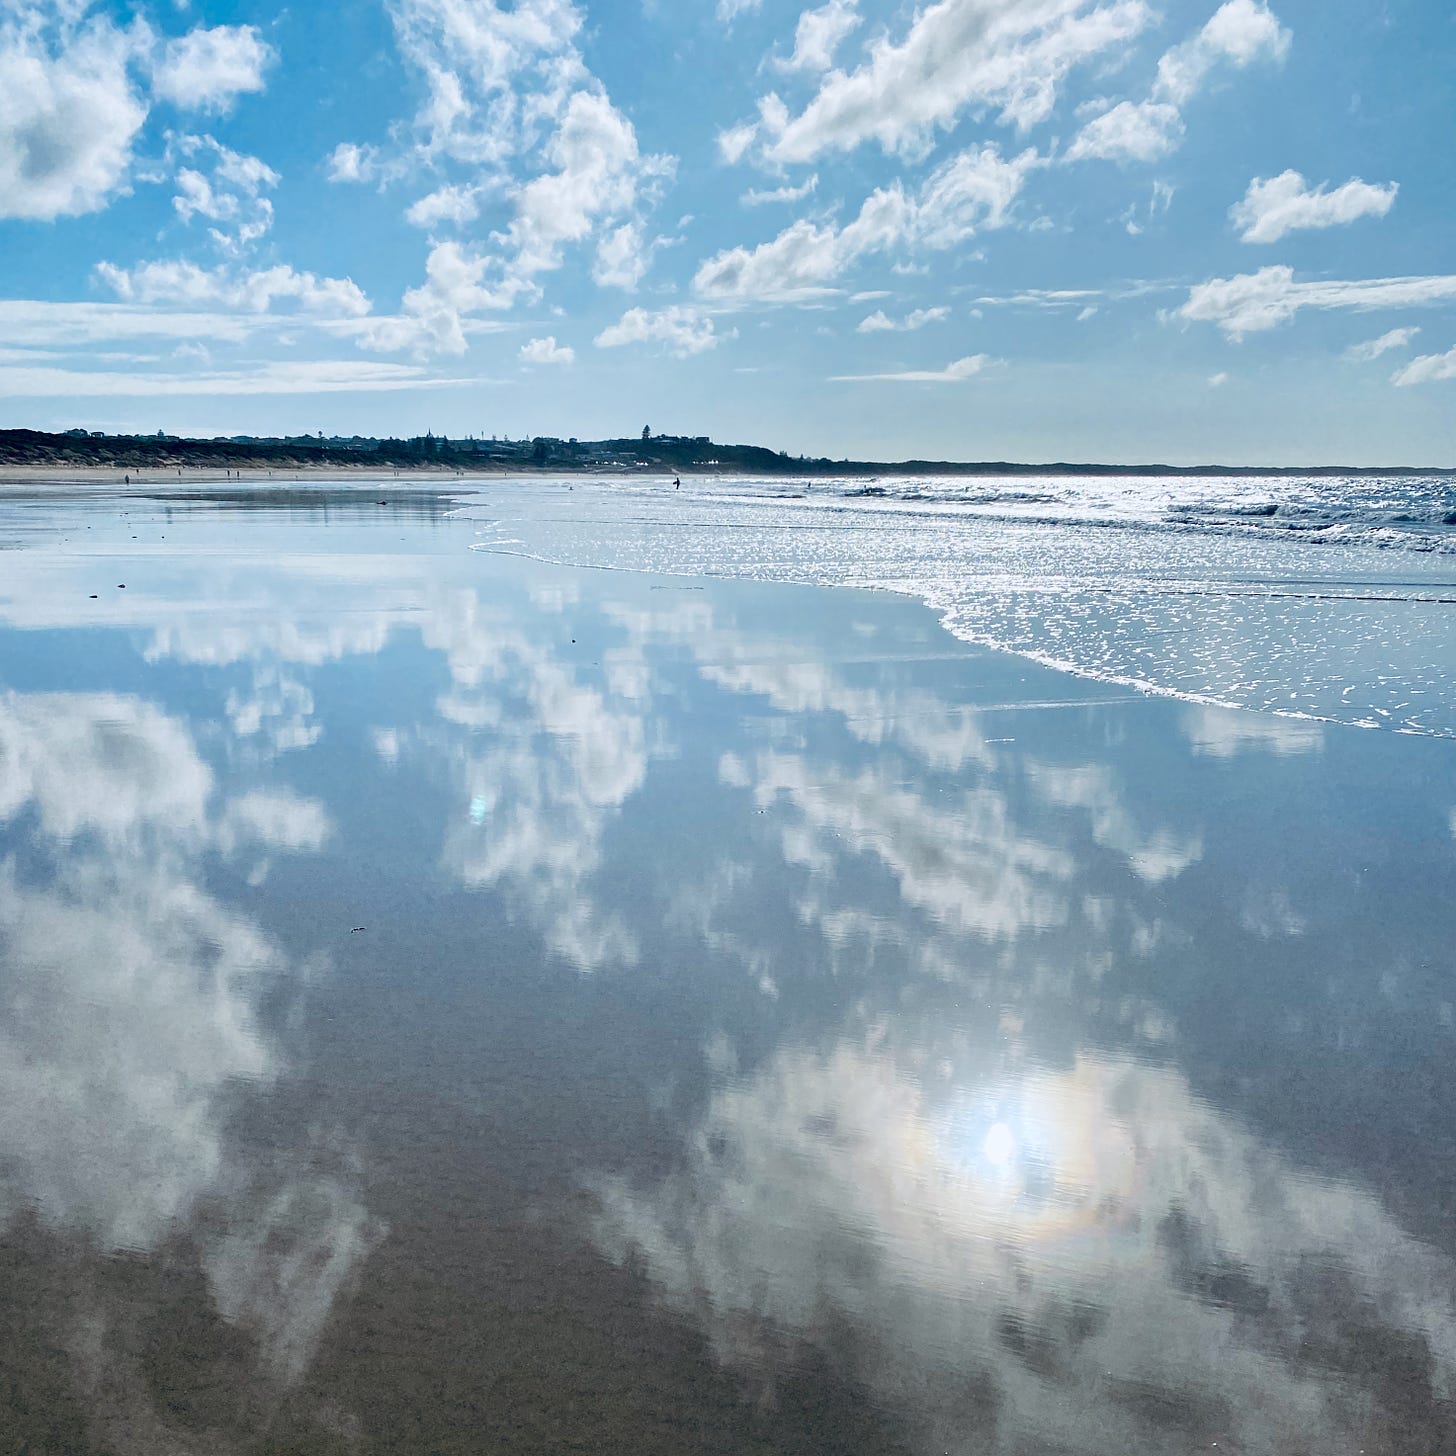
1020	229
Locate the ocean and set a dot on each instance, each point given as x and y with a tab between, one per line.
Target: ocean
1328	597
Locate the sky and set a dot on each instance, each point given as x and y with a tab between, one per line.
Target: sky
1029	230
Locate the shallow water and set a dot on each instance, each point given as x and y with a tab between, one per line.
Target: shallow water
453	1003
1331	599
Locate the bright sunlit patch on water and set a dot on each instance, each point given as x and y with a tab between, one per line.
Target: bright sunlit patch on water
1000	1146
1039	1160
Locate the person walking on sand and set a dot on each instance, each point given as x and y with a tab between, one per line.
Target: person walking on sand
676	482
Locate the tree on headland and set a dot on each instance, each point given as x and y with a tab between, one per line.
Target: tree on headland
646	432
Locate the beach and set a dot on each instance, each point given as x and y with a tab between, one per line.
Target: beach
554	964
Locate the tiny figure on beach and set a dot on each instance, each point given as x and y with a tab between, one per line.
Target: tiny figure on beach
676	483
127	478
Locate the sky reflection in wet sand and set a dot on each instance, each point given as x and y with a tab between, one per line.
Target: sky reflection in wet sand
457	1004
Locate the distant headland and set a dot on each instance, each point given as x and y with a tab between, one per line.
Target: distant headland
91	450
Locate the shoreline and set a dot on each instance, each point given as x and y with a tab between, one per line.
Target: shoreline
43	476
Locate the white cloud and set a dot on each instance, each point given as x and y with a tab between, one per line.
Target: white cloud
350	376
730	10
229	194
1217	381
735	141
510	100
179	282
1139	132
349	162
433	317
471	54
682	331
957	54
1272	208
1239	33
622	258
1427	369
971	192
880	322
547	351
598	165
43	323
756	197
445	204
1046	298
1252	302
953	373
1374	348
69	112
207	70
818	36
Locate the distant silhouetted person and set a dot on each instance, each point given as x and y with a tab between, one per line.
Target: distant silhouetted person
676	483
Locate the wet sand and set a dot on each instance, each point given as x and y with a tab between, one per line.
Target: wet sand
457	1004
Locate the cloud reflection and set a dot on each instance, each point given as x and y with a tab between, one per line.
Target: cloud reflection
131	1016
1050	1254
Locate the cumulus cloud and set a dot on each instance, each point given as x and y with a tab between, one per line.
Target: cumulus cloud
819	34
226	188
957	54
1276	206
445	204
69	111
433	316
1427	369
1138	132
971	192
1239	33
622	258
1374	348
1253	302
679	330
880	322
547	351
735	141
470	55
207	70
953	373
597	173
350	162
511	101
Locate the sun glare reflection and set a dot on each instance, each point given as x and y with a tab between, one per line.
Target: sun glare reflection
1040	1158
